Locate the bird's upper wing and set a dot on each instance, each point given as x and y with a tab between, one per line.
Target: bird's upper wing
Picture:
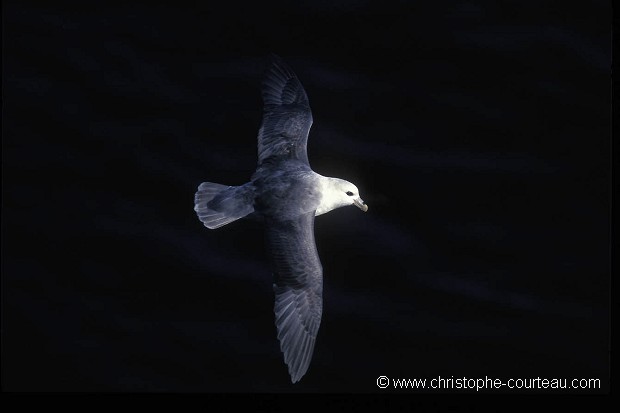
287	117
298	287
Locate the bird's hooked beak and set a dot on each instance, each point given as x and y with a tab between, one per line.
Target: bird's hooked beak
359	202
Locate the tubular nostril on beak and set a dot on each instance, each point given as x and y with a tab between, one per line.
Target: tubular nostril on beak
359	202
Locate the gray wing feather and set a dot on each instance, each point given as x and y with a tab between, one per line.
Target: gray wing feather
287	117
298	288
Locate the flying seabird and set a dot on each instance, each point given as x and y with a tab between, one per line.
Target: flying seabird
288	194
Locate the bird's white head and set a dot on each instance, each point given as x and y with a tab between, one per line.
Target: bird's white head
338	193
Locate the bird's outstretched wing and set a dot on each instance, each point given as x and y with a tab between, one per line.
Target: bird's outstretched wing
287	117
298	287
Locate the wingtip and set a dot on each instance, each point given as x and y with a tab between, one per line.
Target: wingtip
295	378
273	60
277	65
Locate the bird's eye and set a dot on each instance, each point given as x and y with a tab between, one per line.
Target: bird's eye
349	193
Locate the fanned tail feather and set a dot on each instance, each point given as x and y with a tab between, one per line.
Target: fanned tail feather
217	205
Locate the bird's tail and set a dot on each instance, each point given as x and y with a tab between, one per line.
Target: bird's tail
218	205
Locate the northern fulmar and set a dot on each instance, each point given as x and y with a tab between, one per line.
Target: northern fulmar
287	194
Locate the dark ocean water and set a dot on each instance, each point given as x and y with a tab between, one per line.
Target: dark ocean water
478	133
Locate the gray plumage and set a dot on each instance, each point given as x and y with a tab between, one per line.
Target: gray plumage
288	195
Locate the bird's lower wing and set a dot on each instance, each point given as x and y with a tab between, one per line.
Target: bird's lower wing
298	287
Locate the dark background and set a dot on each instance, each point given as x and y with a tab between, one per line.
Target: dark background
478	133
